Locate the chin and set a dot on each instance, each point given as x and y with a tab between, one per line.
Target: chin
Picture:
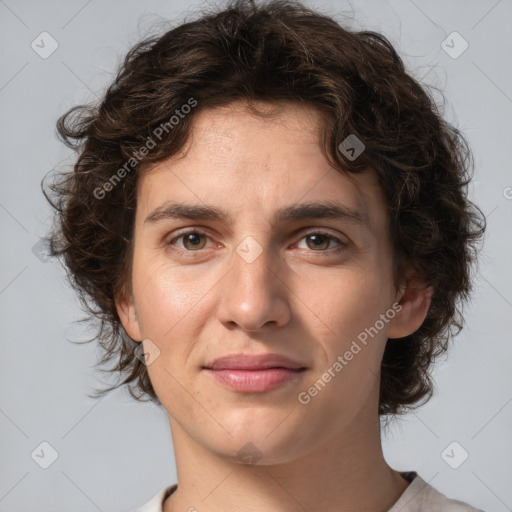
269	442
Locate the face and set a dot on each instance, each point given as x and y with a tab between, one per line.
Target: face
263	277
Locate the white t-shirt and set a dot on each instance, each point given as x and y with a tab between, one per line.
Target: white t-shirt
418	497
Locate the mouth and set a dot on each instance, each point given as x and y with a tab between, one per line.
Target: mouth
254	381
254	373
253	362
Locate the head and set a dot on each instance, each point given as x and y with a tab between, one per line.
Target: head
246	113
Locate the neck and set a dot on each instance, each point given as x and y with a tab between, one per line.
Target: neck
346	472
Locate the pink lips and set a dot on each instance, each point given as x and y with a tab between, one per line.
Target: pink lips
254	373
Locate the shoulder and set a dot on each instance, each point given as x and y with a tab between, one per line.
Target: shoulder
422	497
155	504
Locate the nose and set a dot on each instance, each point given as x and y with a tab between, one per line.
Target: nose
254	295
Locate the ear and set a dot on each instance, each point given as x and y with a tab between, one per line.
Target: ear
128	315
415	297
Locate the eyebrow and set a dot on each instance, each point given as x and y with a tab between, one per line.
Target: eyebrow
294	212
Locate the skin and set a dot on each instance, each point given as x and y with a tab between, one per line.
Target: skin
296	298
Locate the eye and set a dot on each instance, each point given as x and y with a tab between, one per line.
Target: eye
320	241
317	241
191	240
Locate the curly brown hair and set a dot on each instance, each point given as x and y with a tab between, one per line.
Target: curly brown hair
274	52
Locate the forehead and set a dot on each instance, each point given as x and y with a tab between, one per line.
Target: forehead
249	164
232	136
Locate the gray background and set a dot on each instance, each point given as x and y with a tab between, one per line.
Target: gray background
115	454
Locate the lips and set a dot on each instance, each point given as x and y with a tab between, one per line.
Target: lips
253	362
254	373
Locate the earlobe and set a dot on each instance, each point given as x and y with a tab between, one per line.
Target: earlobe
126	310
415	302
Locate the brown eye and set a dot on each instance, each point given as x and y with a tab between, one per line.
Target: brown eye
191	240
320	242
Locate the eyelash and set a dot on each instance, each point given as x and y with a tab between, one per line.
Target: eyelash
327	252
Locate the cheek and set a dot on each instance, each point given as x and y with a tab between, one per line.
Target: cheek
172	306
167	296
349	306
353	336
345	302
